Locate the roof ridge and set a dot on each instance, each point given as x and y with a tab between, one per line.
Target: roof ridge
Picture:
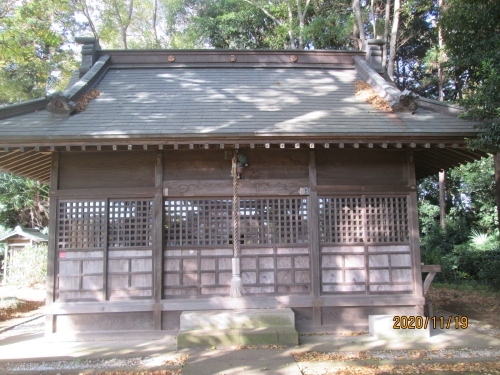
22	108
63	103
390	92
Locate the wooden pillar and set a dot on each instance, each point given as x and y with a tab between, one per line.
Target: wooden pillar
442	198
496	159
158	241
414	232
314	239
52	253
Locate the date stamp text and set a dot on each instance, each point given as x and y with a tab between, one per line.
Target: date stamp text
422	322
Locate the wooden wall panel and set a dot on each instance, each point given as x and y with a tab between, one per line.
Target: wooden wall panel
170	320
106	169
352	316
361	167
129	321
264	164
303	318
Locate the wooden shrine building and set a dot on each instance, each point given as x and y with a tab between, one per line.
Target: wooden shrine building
138	152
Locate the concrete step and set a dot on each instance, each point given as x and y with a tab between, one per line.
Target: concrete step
237	327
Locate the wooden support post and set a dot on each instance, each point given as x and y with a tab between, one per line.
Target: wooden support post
442	198
432	270
414	230
314	239
50	319
496	159
158	242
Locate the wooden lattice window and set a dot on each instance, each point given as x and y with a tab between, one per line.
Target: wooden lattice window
201	222
83	255
273	221
81	228
81	224
130	223
387	219
341	220
130	254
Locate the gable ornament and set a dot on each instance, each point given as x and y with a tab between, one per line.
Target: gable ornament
60	104
407	101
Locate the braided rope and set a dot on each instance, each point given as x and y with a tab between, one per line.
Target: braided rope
236	219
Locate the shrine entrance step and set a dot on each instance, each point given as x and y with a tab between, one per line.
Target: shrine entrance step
237	328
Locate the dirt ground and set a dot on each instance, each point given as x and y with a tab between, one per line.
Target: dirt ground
19	302
475	304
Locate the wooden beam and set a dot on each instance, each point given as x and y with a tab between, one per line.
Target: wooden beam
223	188
107	192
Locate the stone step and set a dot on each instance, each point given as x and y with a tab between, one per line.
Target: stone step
236	319
237	328
237	337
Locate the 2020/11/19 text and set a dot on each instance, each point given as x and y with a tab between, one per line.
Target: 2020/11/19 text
422	322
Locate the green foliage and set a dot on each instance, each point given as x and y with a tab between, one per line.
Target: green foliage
472	187
470	237
23	202
28	267
234	24
472	39
33	55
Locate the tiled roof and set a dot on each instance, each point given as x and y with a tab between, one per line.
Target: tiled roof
228	101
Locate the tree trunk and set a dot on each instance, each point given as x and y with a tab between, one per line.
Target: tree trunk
394	36
496	159
442	198
441	51
387	24
155	33
357	11
302	17
290	25
124	24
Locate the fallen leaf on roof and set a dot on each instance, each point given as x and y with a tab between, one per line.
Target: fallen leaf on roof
83	102
366	93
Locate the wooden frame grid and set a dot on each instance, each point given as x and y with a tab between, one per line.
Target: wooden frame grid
197	222
375	261
387	219
276	270
196	272
81	241
104	249
130	249
130	223
341	220
273	221
81	224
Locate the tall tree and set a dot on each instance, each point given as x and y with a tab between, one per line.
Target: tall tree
34	55
141	24
471	34
23	202
393	41
356	6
